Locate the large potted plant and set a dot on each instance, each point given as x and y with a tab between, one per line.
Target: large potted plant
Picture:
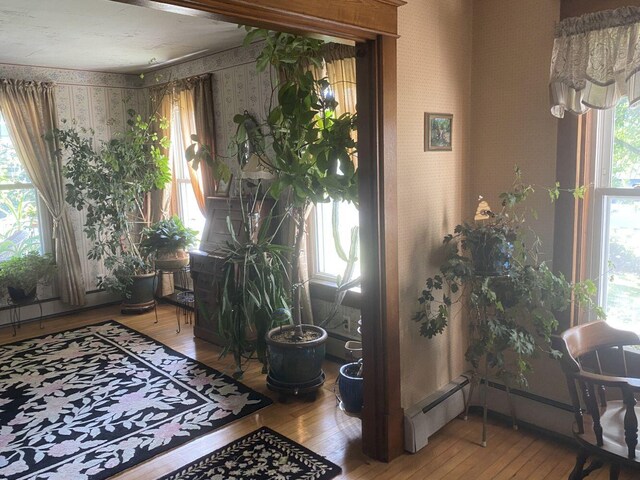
20	275
513	298
310	151
167	241
111	183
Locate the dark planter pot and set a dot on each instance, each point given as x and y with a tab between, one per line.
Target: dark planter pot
350	387
18	295
141	298
492	259
296	363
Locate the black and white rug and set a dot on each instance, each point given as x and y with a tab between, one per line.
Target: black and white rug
93	401
261	455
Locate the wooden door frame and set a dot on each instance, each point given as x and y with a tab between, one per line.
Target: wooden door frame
373	25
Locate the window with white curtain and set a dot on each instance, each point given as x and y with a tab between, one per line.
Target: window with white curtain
188	209
615	214
20	221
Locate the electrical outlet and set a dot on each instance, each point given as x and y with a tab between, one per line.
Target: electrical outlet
346	324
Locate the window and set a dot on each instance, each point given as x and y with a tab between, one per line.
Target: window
329	262
20	222
615	242
186	202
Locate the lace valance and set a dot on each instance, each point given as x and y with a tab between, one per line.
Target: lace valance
595	61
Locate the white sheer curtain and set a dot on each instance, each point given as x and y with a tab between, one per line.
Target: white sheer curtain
29	110
595	61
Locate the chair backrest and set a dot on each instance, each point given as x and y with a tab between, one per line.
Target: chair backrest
593	357
588	340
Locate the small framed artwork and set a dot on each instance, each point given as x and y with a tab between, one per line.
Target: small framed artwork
438	131
222	188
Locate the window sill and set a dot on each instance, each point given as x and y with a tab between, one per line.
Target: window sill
326	290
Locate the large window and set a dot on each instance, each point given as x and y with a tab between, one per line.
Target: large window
20	224
615	257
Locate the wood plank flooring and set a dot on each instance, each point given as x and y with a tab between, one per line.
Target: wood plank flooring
453	453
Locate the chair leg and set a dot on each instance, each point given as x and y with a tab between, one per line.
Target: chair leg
578	473
614	471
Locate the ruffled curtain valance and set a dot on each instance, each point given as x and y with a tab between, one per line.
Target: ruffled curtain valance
595	61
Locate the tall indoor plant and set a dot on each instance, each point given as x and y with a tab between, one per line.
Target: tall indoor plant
310	150
111	183
513	297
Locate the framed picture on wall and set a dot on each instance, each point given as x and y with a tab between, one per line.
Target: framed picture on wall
438	131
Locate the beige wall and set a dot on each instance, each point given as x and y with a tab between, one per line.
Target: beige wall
434	75
487	62
510	118
511	122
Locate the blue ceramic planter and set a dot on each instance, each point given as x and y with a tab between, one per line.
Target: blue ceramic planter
350	387
296	363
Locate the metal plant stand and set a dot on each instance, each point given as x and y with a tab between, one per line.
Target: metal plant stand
15	313
477	379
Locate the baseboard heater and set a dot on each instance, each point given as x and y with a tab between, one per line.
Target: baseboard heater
434	412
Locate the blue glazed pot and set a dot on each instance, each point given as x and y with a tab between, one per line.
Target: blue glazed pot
350	387
296	363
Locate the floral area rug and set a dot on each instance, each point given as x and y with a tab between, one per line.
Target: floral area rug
263	454
90	402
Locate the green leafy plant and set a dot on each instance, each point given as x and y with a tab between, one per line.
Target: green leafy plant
512	297
110	183
253	289
167	235
24	272
307	147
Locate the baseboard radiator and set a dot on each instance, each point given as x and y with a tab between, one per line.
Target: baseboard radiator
434	412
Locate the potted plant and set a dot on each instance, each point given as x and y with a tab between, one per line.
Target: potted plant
350	385
253	292
166	242
309	150
513	297
111	183
20	275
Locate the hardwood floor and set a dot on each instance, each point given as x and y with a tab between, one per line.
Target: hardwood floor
452	453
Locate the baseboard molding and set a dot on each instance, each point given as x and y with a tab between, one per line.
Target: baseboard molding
424	419
534	412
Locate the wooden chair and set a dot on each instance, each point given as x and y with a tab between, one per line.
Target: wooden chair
594	359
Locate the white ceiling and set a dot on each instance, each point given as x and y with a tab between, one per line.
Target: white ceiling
105	36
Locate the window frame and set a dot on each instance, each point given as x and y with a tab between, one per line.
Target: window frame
601	193
45	223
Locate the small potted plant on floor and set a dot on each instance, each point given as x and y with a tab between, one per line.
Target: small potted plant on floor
166	242
111	183
20	275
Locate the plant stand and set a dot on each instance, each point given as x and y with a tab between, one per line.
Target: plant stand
14	312
476	380
295	389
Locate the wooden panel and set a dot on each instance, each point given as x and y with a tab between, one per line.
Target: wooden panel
382	415
350	19
574	8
